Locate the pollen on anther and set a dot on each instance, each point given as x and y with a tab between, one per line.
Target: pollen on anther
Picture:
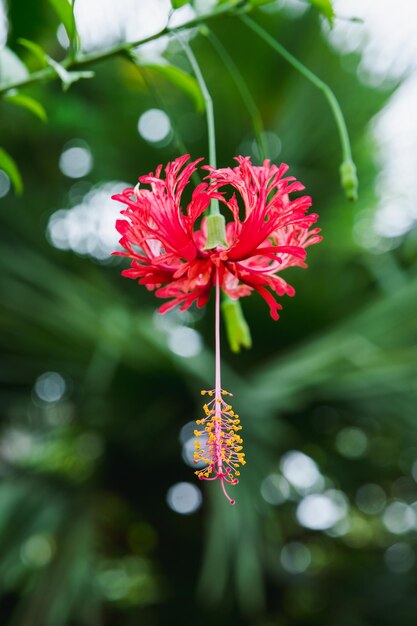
218	449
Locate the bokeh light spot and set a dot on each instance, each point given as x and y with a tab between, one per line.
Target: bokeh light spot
400	558
398	517
184	498
62	37
371	499
37	551
4	184
154	126
351	442
301	471
50	387
295	557
114	583
88	228
3	24
275	489
185	342
16	445
76	161
322	511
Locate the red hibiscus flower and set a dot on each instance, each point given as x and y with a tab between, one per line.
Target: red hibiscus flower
167	241
183	255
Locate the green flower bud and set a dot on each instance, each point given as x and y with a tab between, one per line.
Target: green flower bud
237	329
349	179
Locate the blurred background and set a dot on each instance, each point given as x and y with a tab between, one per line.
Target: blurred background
102	522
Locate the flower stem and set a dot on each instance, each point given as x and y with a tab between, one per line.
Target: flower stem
348	170
243	89
214	205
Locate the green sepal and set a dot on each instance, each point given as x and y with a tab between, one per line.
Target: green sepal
216	232
237	329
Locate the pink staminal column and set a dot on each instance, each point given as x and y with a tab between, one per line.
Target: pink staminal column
220	448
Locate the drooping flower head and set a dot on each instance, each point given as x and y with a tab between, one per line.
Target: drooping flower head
171	252
166	242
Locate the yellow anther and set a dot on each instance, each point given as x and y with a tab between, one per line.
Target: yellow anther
221	444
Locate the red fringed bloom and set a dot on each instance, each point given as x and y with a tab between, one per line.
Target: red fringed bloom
167	243
268	232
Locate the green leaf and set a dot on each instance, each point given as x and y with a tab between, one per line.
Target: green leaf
8	165
254	3
11	67
176	4
64	11
325	7
67	78
36	50
28	103
180	79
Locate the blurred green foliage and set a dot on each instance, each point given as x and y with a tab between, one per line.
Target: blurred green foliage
93	395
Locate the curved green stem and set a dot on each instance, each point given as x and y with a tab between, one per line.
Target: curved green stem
243	89
207	99
211	130
347	168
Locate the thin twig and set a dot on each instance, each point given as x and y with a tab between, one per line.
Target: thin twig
85	60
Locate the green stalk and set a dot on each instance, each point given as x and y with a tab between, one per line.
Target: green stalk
347	168
209	108
258	127
216	224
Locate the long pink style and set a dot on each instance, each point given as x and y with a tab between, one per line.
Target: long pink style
222	451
